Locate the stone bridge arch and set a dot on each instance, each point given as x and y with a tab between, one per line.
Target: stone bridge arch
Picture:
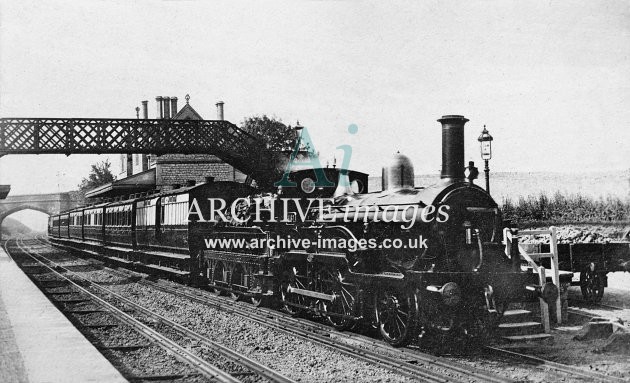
51	203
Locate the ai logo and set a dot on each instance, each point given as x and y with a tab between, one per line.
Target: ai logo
313	160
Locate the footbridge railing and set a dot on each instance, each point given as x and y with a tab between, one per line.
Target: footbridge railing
100	136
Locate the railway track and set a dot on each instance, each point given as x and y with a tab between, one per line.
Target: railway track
204	367
408	355
403	361
409	363
588	376
582	307
602	305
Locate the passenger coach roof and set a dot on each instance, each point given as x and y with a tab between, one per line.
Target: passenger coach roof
187	189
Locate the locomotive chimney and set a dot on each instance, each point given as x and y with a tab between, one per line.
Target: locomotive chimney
160	110
220	110
453	147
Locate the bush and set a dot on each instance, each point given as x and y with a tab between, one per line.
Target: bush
563	208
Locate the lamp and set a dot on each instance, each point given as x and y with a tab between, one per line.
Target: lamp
485	140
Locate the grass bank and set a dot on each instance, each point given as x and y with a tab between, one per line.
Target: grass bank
566	209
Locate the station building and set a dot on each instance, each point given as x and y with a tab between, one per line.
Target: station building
142	173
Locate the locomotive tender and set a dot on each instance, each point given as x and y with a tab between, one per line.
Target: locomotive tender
459	282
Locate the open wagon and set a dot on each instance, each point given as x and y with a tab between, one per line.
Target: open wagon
593	262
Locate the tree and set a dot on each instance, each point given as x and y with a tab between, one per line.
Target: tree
100	174
274	133
278	142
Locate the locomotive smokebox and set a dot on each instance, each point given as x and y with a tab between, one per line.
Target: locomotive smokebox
453	147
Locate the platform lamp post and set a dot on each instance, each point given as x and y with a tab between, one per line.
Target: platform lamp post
485	139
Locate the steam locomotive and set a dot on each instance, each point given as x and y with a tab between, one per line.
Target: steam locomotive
406	260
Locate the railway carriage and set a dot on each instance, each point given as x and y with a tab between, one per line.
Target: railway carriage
64	225
145	228
53	226
119	222
166	237
76	224
93	229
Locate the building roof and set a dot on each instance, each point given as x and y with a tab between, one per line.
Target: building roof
137	183
187	113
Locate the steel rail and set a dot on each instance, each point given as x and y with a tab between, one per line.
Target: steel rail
256	367
555	365
290	327
587	305
207	369
608	306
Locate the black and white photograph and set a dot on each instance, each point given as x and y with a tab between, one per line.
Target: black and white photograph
306	191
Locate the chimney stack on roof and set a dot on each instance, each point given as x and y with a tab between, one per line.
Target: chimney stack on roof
160	110
145	109
220	110
173	106
167	107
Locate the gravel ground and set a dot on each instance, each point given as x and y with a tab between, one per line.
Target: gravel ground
81	306
68	297
60	290
219	361
135	362
295	358
47	277
117	336
95	319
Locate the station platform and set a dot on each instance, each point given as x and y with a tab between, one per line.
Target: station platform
37	342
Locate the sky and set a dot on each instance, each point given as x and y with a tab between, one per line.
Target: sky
549	79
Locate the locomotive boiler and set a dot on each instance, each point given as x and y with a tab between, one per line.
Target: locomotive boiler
408	260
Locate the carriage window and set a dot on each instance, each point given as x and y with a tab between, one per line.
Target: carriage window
174	210
145	213
141	216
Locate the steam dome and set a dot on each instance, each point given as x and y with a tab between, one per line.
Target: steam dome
398	174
